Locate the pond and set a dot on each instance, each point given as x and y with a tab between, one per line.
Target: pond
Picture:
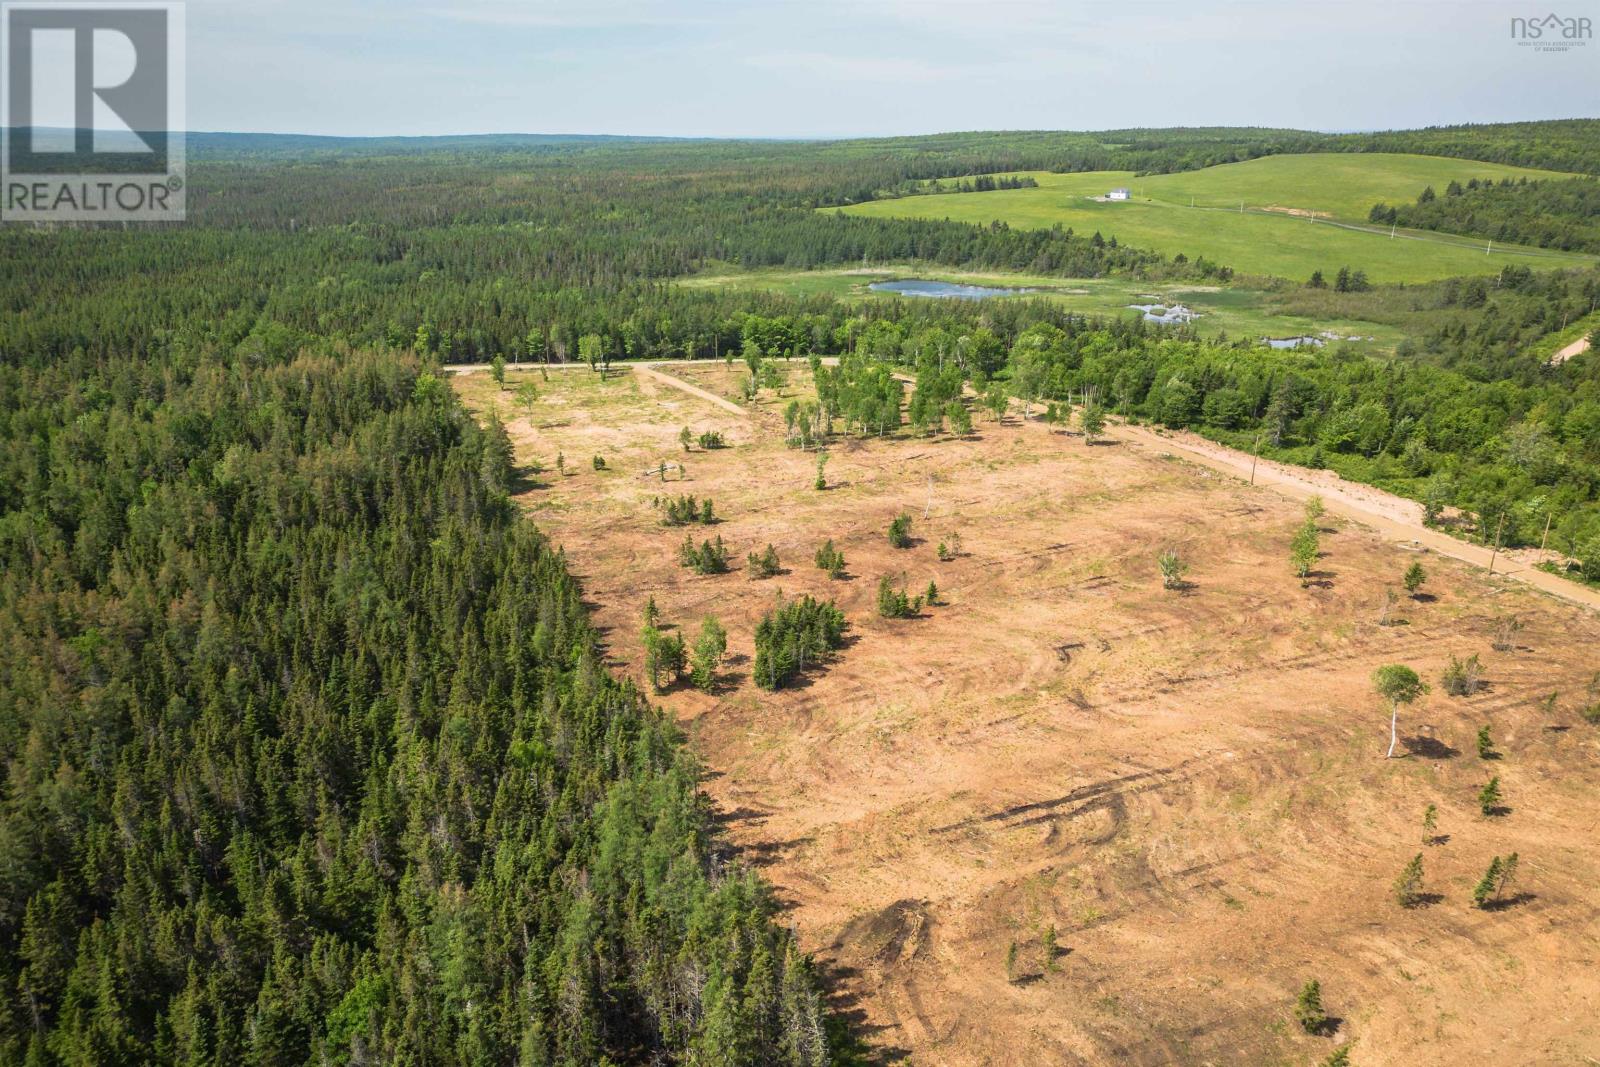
1165	315
1295	342
947	290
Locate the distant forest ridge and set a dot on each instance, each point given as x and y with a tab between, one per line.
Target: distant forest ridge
1557	144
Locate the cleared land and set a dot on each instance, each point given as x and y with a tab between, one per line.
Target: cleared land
1300	214
1186	785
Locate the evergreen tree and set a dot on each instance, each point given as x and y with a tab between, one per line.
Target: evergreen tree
1308	1010
1489	798
706	659
1408	887
1414	577
1304	550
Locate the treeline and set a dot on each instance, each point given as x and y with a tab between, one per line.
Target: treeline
983	183
1548	214
462	294
1466	420
310	755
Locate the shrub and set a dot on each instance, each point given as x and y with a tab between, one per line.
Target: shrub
1308	1010
1506	628
1485	744
900	531
1489	797
930	596
708	557
712	439
1304	548
830	559
599	463
1408	887
894	603
1173	568
1092	421
822	479
681	510
763	564
1414	577
1462	677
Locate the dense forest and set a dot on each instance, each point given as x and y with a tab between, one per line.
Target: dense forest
310	756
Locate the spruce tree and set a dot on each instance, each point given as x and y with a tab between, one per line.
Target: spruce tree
1308	1010
1489	797
1408	887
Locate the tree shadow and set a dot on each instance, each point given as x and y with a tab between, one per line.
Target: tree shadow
1428	748
766	853
1498	811
729	816
524	480
1506	903
851	1034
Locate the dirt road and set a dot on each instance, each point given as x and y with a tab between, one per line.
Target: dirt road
1577	347
1393	516
1066	815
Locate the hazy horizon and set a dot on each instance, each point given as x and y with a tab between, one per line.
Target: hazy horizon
875	68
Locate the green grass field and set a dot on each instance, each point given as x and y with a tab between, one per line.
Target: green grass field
1236	311
1300	214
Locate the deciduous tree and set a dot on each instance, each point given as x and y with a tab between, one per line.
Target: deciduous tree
1398	685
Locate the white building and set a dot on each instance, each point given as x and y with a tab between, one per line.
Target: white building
1117	194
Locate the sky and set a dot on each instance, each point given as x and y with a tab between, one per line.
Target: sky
838	68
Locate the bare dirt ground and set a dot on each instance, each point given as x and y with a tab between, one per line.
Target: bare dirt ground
1187	786
1576	348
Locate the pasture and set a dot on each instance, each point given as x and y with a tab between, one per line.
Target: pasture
1280	216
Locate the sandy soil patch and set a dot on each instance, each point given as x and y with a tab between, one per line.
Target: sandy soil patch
1187	786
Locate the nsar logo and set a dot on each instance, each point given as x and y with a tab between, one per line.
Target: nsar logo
1552	33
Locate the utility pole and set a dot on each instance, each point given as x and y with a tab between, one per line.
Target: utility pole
1253	457
1545	540
1497	531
